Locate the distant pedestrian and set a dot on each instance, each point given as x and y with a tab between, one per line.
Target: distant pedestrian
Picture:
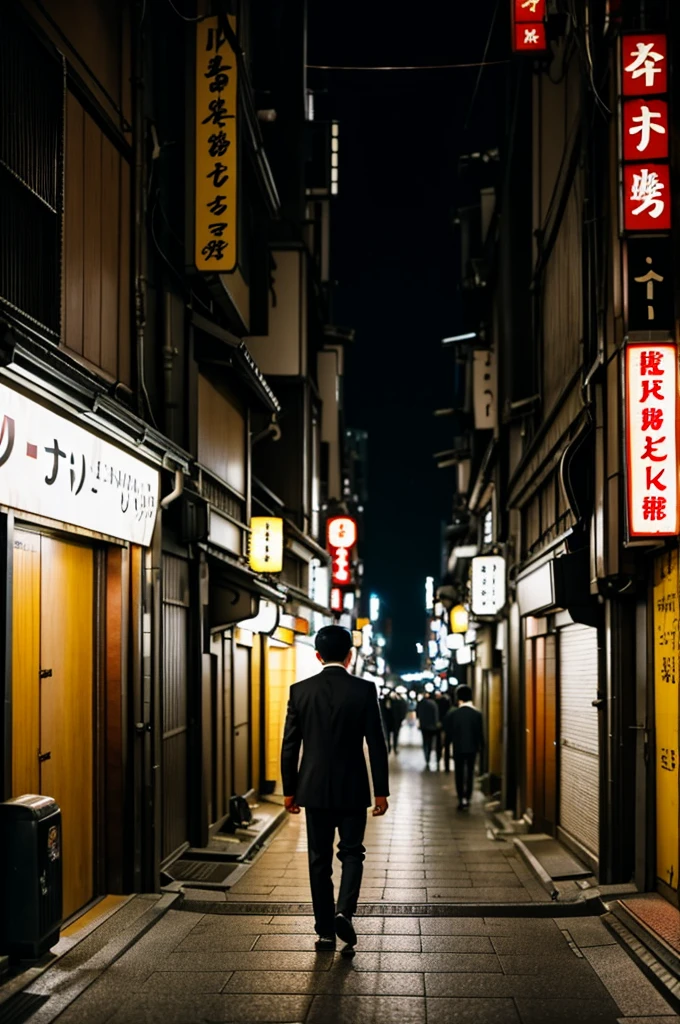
328	717
465	731
428	718
388	719
399	710
443	744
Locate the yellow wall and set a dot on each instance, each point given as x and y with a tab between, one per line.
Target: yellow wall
666	670
285	666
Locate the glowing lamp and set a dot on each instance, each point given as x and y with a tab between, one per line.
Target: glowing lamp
266	544
459	619
341	532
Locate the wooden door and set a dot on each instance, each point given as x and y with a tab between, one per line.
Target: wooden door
241	732
175	824
550	808
539	730
67	706
26	663
529	755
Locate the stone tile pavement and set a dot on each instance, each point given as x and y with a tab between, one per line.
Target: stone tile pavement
223	962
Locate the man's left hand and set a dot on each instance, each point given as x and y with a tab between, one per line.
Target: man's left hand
381	806
290	805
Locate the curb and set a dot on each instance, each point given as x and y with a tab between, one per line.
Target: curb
44	990
535	865
653	958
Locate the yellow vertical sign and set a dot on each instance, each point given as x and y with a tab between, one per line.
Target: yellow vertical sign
216	218
666	671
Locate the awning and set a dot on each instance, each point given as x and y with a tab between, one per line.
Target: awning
216	346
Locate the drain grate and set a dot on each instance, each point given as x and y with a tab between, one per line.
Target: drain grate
200	871
20	1007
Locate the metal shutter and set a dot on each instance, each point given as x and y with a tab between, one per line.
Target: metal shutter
579	753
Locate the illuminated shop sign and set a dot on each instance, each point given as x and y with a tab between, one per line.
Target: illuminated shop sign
488	584
52	467
528	26
651	435
341	536
266	544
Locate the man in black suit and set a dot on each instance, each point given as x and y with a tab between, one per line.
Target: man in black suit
464	729
328	716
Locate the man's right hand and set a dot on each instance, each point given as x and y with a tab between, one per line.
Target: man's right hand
290	805
381	806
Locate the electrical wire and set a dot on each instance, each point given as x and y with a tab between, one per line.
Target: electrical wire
185	17
402	67
484	63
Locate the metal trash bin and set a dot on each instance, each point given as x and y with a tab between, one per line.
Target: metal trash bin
30	876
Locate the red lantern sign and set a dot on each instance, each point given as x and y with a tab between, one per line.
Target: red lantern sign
644	64
645	129
336	599
341	536
529	37
529	10
651	434
646	197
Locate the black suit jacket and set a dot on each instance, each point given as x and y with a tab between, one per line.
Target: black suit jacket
328	716
464	728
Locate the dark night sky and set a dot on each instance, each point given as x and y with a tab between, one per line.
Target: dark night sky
395	260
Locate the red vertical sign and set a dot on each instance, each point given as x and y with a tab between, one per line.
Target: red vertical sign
528	26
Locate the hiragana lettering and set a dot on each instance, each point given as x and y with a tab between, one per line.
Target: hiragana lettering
217	206
83	471
218	228
218	174
219	144
652	418
651	389
9	428
651	445
218	113
55	451
214	249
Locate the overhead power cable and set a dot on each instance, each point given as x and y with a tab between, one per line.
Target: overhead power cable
402	67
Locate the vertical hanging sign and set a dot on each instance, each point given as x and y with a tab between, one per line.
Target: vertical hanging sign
216	215
651	434
646	198
528	26
666	672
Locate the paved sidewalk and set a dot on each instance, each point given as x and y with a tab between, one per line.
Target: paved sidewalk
216	960
423	851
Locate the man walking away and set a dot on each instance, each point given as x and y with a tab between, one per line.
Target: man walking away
443	746
428	718
387	712
328	716
465	731
399	710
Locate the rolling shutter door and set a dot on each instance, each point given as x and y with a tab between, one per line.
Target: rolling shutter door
579	754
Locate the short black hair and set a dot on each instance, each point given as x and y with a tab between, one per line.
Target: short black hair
333	643
464	693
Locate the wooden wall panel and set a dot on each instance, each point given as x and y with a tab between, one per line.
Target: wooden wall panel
124	271
529	717
221	436
551	729
73	227
97	247
92	148
110	246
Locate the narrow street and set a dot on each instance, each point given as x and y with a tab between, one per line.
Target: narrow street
251	957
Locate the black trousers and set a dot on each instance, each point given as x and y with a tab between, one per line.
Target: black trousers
429	739
465	774
443	748
393	737
321	826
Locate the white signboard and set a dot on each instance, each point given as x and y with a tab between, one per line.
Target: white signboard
484	390
55	468
488	584
651	439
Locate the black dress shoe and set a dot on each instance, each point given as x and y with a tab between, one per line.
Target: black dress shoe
344	929
325	944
